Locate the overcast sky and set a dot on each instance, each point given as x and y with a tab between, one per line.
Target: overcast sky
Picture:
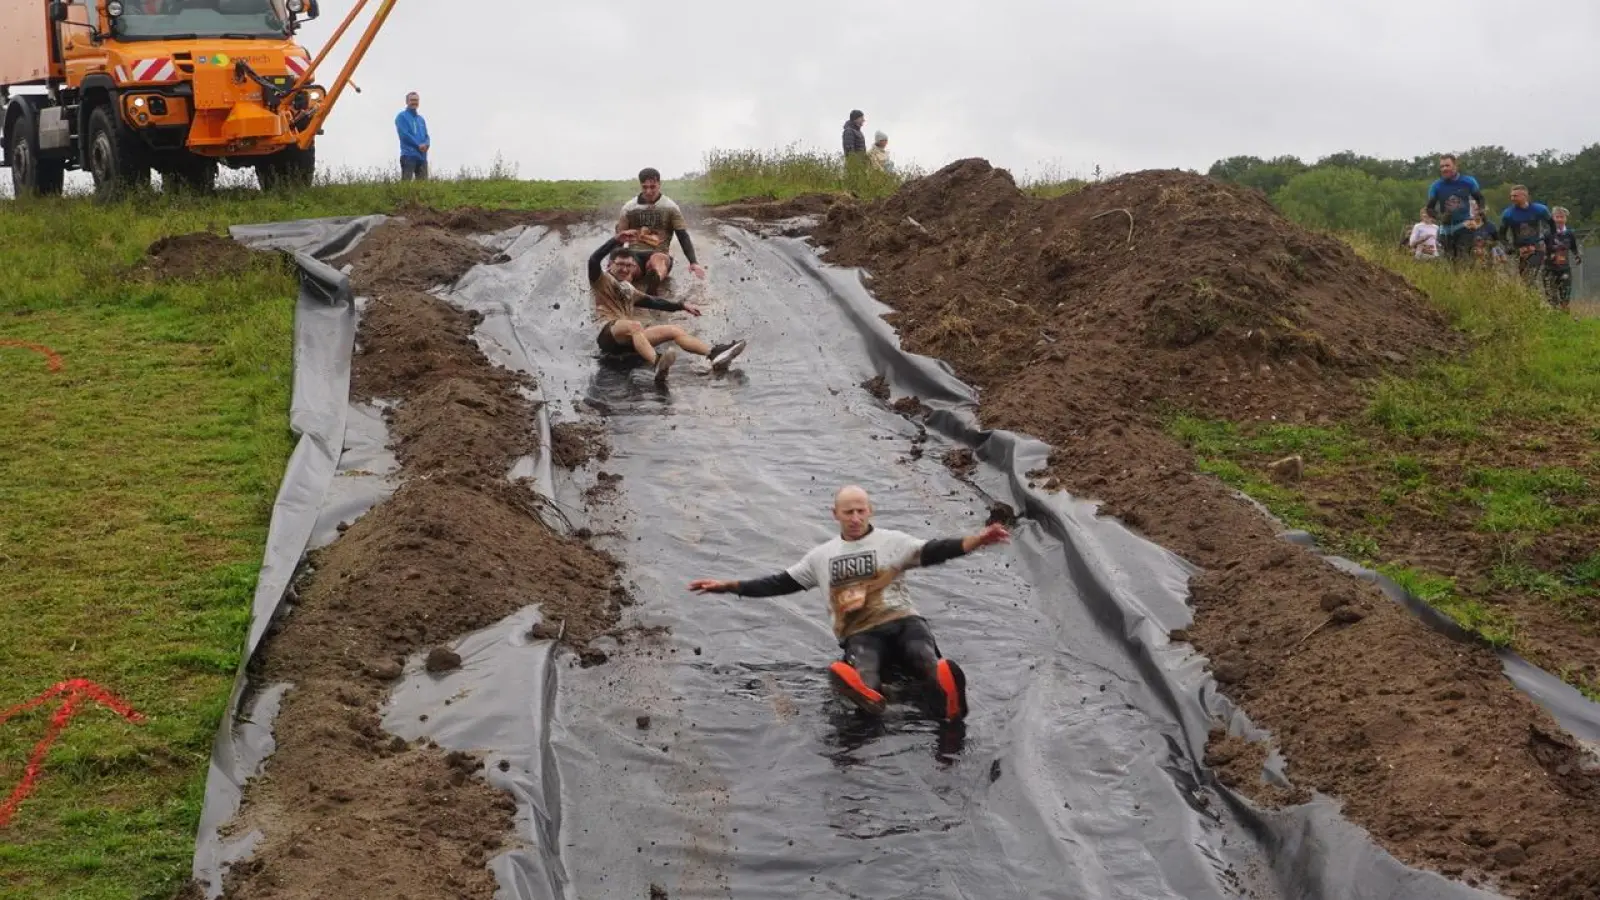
599	89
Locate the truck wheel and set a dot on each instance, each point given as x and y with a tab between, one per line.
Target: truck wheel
113	159
31	175
289	168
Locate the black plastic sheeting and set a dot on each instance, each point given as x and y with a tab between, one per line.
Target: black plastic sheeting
1078	772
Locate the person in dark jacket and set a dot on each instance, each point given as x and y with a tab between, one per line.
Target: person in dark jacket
1561	252
874	620
854	140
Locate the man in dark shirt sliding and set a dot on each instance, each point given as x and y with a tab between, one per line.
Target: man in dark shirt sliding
873	618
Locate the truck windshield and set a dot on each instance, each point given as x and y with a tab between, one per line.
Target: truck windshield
201	19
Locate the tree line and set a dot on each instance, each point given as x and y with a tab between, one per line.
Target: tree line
1347	191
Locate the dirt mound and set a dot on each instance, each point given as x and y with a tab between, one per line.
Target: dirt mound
400	255
1077	331
198	255
346	808
1159	285
472	220
408	339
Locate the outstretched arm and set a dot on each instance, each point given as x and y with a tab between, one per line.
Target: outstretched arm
597	259
945	549
774	585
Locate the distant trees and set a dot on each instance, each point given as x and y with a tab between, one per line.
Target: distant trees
1351	192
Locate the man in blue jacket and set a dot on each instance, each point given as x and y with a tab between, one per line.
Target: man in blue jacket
1525	227
1450	201
414	141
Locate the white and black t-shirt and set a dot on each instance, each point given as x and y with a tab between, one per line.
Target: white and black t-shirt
862	578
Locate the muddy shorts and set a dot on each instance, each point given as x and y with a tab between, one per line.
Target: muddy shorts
903	645
610	346
643	257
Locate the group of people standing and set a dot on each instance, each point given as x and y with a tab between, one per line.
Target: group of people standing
855	142
1455	225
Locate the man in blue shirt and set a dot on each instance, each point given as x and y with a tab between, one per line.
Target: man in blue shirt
1450	201
1526	226
414	141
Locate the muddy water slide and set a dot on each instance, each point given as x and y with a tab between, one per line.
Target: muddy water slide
706	756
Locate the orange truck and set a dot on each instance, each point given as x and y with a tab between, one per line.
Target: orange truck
119	88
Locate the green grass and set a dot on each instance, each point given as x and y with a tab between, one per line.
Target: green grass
1529	362
1529	383
1439	592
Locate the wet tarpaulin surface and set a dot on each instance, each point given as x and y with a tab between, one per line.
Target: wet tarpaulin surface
1077	774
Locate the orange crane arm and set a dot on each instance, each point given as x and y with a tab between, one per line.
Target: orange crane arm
310	133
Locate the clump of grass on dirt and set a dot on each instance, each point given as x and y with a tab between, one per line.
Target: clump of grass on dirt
1468	481
790	171
138	480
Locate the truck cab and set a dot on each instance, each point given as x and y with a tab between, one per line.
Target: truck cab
123	87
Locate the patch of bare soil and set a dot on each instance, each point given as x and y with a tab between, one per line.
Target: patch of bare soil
346	809
400	255
201	254
1077	317
575	444
476	220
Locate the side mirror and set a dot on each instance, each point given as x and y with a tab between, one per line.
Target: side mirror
58	11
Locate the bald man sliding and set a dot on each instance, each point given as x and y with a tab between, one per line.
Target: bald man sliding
872	613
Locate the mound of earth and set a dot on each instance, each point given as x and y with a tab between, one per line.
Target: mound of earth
345	808
1155	286
201	254
1081	318
401	255
473	220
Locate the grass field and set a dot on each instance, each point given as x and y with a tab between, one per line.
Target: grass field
1492	456
139	477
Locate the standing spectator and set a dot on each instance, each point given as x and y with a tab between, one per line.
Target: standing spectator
1450	201
1526	226
1562	253
414	142
879	154
1424	241
854	140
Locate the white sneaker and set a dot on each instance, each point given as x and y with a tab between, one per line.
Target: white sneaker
723	355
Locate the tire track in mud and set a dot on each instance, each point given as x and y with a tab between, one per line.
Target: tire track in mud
752	781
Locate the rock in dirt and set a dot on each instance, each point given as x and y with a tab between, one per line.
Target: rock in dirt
877	386
657	892
442	659
1286	470
384	669
643	722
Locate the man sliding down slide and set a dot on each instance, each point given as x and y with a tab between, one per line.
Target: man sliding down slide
615	299
873	618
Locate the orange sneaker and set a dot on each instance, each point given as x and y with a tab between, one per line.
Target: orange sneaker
847	681
953	685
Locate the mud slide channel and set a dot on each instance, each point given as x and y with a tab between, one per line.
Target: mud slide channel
470	634
708	759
